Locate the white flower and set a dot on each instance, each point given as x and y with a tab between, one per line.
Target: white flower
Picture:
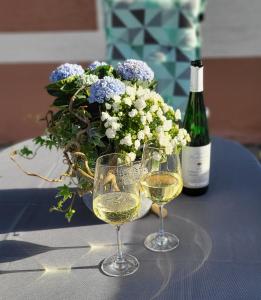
171	108
108	106
116	107
141	135
116	126
159	113
116	98
128	101
143	120
120	114
146	130
156	97
182	137
164	139
154	108
131	91
165	108
140	104
126	140
142	92
110	133
167	125
112	122
137	144
177	114
131	156
87	79
149	117
133	113
182	133
105	116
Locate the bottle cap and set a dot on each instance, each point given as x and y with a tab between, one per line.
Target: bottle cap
197	63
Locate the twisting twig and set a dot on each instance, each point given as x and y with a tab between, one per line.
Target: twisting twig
111	178
83	156
80	133
84	120
69	145
84	173
46	118
59	179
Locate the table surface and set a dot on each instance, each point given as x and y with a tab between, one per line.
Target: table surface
219	257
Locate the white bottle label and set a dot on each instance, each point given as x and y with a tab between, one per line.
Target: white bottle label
196	166
196	79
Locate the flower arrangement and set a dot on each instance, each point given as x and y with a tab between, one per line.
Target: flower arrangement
102	109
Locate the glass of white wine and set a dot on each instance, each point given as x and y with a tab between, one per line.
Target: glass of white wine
116	201
161	182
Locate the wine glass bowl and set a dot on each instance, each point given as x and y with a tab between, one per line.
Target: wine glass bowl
116	201
161	182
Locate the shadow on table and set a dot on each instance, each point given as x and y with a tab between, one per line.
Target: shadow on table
28	210
12	250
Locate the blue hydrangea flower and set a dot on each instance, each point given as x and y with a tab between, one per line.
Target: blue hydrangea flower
96	64
132	69
106	88
66	70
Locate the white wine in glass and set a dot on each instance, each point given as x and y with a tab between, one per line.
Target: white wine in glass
116	201
161	182
116	208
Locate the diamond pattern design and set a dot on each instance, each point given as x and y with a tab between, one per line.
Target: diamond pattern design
158	34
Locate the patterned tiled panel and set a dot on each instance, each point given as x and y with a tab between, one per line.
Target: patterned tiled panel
163	33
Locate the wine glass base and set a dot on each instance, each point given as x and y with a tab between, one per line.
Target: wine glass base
161	243
128	266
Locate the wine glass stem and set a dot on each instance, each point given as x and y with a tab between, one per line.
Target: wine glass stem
161	231
119	252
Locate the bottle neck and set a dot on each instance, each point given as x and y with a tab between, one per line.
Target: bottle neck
196	81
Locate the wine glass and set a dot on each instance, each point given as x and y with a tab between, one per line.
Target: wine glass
116	201
161	182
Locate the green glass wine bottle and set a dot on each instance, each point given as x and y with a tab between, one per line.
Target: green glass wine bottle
196	156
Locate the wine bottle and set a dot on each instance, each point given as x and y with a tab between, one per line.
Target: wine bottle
196	156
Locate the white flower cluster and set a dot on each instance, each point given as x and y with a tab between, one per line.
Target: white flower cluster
87	80
141	115
111	124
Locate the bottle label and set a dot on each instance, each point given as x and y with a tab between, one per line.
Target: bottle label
196	166
196	79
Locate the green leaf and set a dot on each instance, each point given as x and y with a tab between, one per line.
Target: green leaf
25	151
39	140
64	192
80	100
57	115
69	214
63	87
53	89
98	142
102	71
61	101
